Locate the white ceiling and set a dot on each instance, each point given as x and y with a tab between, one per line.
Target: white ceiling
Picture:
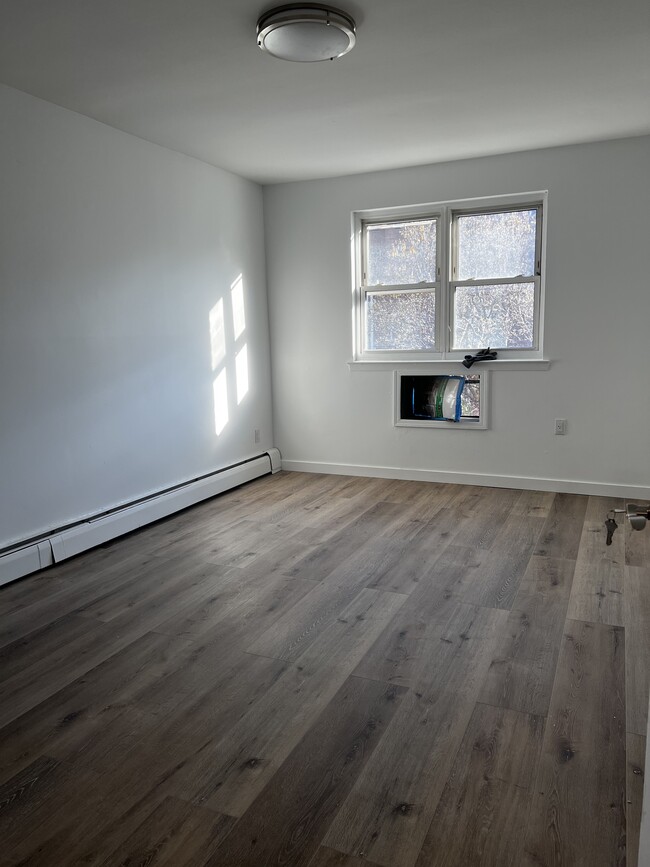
428	80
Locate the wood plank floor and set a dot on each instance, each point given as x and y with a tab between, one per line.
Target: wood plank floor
325	671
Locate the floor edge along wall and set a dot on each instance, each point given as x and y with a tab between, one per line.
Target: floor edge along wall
24	559
559	486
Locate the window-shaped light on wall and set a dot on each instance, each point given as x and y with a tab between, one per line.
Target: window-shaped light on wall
217	334
241	370
238	313
220	394
229	352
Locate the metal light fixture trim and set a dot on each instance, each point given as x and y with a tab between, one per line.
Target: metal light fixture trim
306	32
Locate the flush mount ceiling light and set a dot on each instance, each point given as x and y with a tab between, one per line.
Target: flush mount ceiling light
306	32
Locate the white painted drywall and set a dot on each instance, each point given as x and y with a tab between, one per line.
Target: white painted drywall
597	325
113	251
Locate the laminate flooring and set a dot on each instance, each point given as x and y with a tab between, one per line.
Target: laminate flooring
326	671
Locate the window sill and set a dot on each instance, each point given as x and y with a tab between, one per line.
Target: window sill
454	365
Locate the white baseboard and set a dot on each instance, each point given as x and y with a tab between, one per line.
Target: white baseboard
560	486
89	533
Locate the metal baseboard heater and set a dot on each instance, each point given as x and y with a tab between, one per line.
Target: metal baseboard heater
33	554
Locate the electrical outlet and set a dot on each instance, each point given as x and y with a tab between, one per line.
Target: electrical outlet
560	426
257	435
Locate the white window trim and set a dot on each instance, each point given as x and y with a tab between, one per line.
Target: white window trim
444	287
454	366
440	424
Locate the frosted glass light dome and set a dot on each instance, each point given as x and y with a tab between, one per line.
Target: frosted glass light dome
306	32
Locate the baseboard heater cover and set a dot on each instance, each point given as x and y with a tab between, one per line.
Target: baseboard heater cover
91	532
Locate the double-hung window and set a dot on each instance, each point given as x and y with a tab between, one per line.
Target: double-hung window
401	285
446	280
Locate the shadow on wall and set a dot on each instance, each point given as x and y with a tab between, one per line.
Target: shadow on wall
229	353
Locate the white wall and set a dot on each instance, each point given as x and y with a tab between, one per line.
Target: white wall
597	326
113	251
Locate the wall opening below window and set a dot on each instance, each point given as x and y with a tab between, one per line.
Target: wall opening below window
418	400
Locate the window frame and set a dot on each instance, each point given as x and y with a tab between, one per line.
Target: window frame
366	289
446	214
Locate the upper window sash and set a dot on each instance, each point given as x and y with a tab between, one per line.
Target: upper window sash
400	226
517	273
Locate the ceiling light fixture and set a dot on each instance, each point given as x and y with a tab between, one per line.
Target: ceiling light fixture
306	32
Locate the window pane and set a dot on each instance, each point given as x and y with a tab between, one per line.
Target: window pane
400	320
496	245
401	253
501	317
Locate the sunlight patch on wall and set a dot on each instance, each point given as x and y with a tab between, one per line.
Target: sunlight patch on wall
217	334
241	369
220	390
238	314
229	353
